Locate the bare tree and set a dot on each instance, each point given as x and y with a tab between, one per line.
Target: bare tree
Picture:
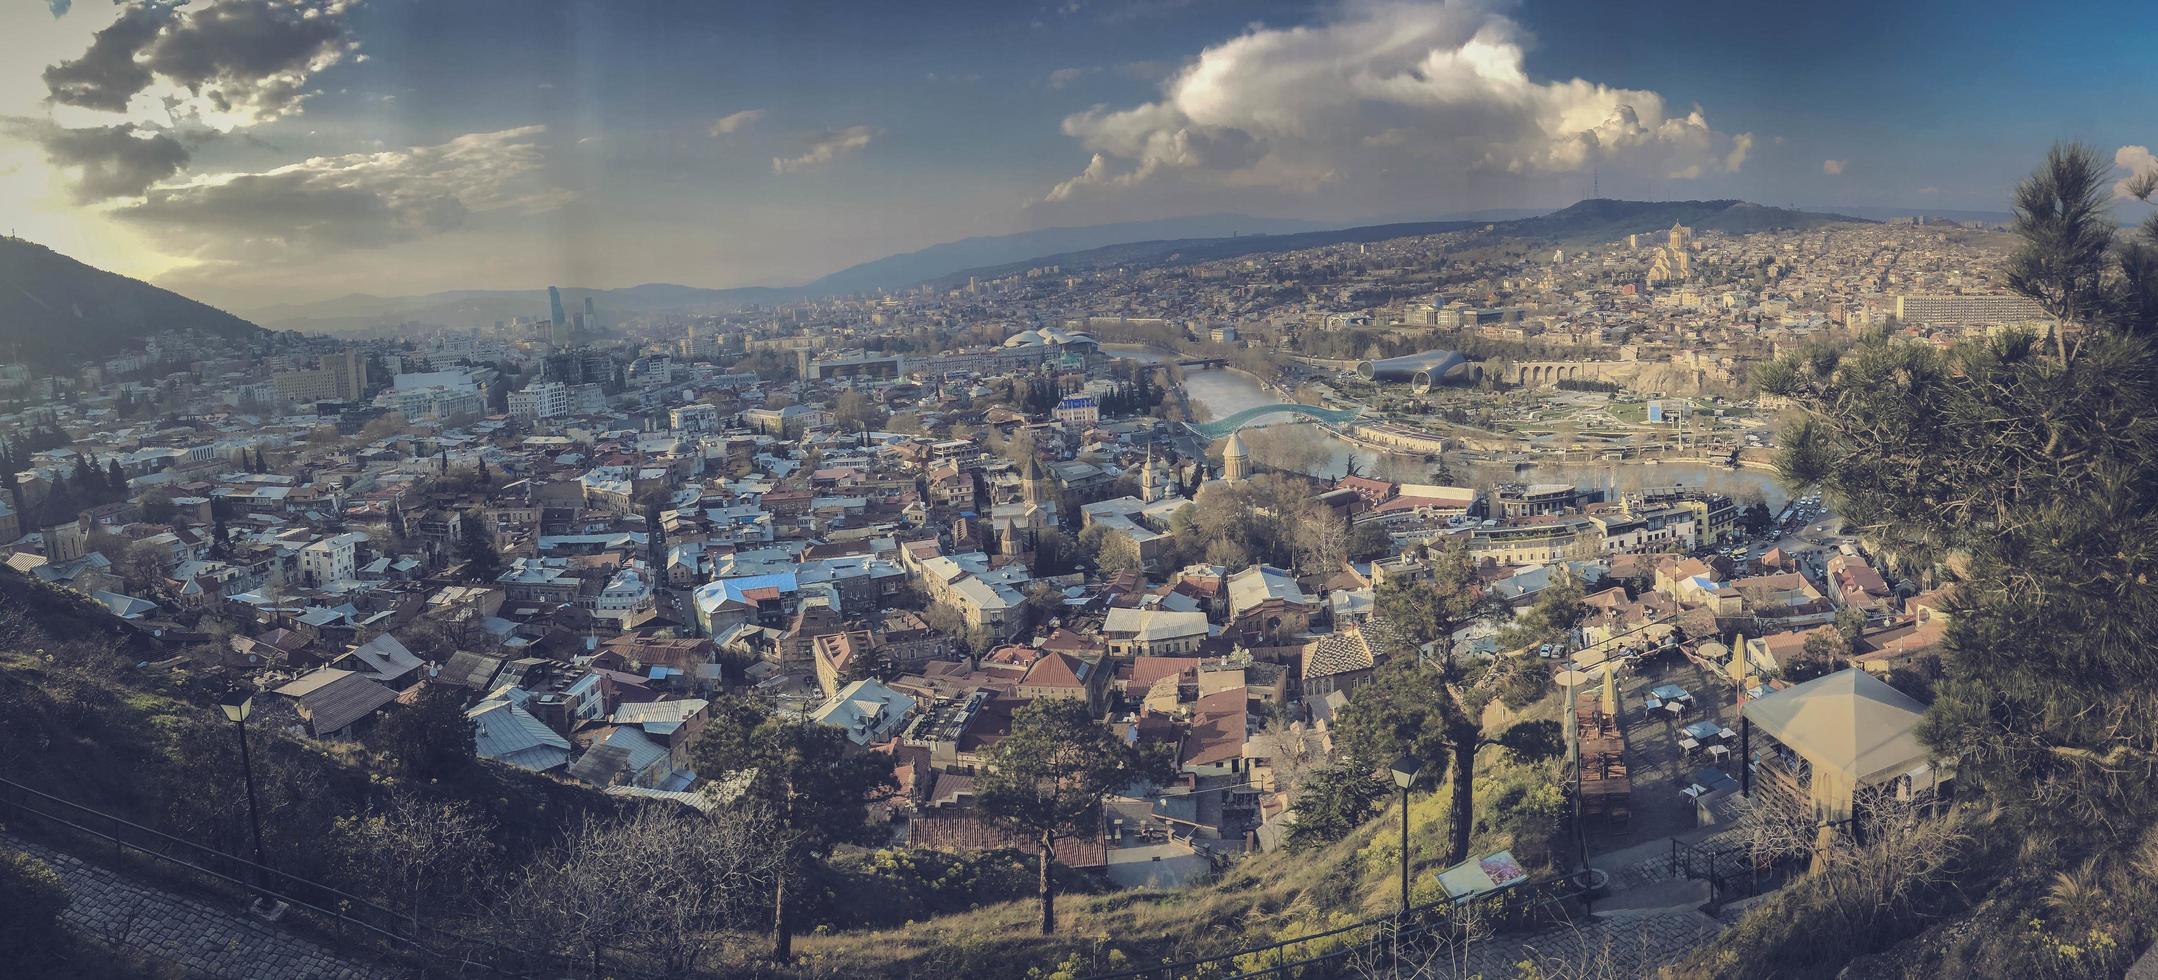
660	883
1291	753
1872	874
421	856
1322	539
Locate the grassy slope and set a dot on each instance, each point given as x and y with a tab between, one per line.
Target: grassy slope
1265	897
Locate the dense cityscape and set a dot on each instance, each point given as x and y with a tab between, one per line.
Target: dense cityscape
1322	492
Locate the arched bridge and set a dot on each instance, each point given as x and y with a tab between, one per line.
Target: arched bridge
1221	427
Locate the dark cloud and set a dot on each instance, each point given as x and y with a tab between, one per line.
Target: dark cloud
252	56
291	210
360	200
108	161
107	75
249	59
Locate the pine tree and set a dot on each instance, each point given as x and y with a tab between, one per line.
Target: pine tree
115	479
482	562
2028	478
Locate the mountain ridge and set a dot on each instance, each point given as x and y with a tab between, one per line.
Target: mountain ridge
61	310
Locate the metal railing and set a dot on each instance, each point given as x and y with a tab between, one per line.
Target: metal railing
345	918
1418	927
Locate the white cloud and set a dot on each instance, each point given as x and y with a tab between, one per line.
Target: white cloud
826	149
1834	167
1388	91
355	200
2135	160
1741	145
734	122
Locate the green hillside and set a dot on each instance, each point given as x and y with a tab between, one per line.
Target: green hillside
58	311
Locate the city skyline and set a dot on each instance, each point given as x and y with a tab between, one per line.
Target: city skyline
262	151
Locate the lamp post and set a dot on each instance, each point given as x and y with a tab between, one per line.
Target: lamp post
1405	770
237	704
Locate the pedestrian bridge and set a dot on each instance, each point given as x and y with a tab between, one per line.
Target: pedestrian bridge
1221	427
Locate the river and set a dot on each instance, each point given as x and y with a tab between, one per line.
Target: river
1222	393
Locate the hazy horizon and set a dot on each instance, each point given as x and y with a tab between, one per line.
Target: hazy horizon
264	152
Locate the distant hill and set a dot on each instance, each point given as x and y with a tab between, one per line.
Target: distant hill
360	313
1604	218
1598	219
56	311
936	261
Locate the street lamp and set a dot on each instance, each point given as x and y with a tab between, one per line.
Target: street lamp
237	704
1405	770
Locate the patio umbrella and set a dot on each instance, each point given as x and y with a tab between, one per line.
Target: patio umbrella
1610	700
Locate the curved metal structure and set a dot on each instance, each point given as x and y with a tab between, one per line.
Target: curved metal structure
1223	426
1426	370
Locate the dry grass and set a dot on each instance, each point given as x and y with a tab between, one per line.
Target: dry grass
1264	897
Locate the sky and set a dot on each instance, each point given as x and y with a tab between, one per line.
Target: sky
257	152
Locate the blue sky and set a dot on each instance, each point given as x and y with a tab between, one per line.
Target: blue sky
259	151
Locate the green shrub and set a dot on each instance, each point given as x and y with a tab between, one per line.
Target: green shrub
31	900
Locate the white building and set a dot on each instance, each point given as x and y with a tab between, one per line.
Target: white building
627	597
543	400
553	399
326	561
694	418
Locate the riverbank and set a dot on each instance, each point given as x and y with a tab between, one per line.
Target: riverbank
1226	391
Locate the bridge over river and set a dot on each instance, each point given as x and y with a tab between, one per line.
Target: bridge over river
1221	427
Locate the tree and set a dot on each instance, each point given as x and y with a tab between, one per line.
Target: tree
420	856
1850	625
854	411
157	507
660	881
115	480
1048	778
482	562
2061	216
142	569
808	778
1421	709
1322	539
871	664
1432	610
431	739
2031	483
1557	610
1335	800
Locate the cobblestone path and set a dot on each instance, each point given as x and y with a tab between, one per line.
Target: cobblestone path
202	938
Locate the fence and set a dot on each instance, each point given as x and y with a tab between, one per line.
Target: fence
1735	871
349	918
1423	927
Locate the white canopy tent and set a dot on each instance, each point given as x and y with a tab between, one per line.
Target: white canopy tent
1851	727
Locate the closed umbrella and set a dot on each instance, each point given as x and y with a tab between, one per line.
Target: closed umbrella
1610	703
